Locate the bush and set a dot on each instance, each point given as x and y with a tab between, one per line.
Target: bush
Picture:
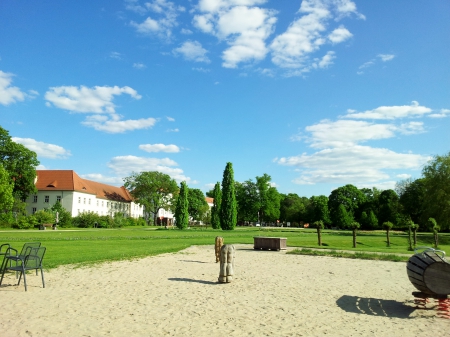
44	216
86	220
26	222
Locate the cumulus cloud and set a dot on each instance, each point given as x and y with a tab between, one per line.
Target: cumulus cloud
442	114
159	148
125	165
87	100
163	20
354	164
309	32
391	112
192	51
113	123
42	149
386	57
8	93
98	177
139	66
340	156
244	26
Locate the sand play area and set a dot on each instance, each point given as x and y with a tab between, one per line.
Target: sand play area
272	294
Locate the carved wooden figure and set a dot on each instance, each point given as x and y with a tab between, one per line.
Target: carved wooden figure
227	255
218	246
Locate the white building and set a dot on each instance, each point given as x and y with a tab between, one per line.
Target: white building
79	195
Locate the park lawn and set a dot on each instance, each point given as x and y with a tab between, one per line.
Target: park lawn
88	246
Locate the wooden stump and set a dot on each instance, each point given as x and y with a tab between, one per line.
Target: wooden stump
218	245
227	255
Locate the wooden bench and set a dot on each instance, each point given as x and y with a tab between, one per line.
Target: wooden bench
42	227
269	243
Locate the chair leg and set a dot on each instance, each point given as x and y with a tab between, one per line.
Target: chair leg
42	274
3	274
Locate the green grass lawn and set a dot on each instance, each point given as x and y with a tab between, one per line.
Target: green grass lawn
87	246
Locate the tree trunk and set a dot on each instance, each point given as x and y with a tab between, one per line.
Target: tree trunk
319	236
354	238
387	237
415	237
436	240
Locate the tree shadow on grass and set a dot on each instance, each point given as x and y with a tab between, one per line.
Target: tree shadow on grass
183	279
374	307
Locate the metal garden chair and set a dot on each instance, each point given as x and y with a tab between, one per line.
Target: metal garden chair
31	261
4	250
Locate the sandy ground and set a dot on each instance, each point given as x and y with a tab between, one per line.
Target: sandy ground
272	294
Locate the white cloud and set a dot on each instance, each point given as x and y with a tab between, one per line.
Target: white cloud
391	112
325	61
186	31
163	21
113	123
241	24
115	55
442	114
355	164
339	35
173	130
403	176
125	165
159	148
308	33
42	149
139	66
386	57
170	119
342	159
8	93
87	100
117	181
192	51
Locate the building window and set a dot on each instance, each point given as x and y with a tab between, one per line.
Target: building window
84	201
97	203
34	198
79	200
89	201
47	199
102	203
58	198
34	210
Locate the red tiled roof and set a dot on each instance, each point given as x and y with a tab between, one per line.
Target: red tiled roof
68	180
209	200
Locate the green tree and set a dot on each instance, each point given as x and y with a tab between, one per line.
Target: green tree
348	196
318	209
319	226
437	185
294	208
431	223
387	225
197	205
20	163
64	216
181	211
247	201
215	210
354	227
412	195
6	191
268	199
228	208
389	207
343	219
153	190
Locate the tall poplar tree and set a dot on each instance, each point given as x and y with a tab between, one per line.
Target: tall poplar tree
181	211
215	210
228	208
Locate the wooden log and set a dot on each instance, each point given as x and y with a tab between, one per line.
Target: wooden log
429	272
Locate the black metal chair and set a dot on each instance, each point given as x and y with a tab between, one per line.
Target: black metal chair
4	250
31	261
13	254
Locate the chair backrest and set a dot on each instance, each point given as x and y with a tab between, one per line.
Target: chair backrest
34	258
27	246
4	248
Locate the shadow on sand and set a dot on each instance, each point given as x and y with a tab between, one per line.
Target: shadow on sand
374	307
182	279
193	261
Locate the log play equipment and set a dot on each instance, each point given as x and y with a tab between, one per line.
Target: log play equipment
429	272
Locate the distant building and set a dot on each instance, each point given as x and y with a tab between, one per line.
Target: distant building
79	195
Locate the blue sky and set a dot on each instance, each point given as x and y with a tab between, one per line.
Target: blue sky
317	94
